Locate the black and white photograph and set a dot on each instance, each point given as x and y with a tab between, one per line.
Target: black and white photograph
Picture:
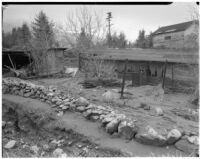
100	79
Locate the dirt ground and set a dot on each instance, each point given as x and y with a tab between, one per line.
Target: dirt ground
172	104
177	112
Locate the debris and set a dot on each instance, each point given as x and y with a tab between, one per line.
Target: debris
71	71
110	95
34	149
10	144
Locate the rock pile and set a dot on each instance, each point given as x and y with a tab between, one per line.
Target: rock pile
112	121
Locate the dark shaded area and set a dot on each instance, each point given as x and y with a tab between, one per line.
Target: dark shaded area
19	59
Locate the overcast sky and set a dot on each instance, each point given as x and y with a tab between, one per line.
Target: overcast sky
127	18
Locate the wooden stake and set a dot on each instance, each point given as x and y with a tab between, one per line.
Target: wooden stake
123	79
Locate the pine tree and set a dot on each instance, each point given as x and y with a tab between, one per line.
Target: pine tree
43	34
43	39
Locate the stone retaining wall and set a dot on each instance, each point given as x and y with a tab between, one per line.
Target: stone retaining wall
113	122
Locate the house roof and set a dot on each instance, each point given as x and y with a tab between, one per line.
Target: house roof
173	28
150	55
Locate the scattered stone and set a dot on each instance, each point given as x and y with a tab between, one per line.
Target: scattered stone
186	146
57	152
94	117
11	144
173	136
82	102
112	126
159	111
193	139
34	149
80	108
60	113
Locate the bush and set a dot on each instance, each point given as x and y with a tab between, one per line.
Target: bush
97	67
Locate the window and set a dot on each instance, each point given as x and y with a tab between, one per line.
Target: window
167	37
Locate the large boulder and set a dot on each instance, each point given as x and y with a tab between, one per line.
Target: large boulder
185	146
127	129
173	136
151	137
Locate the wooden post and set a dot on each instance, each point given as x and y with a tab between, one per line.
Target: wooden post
132	79
123	79
139	76
164	73
172	75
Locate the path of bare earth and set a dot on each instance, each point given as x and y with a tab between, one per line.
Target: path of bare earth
91	130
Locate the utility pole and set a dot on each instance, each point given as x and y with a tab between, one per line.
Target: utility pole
109	26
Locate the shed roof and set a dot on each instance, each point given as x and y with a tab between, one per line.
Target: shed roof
174	28
153	55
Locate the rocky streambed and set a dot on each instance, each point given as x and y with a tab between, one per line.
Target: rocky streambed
113	122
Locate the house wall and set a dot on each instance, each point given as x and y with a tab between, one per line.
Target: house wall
176	41
55	62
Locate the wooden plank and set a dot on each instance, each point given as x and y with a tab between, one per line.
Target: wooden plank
123	79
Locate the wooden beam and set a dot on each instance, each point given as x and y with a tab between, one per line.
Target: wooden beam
11	62
123	79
